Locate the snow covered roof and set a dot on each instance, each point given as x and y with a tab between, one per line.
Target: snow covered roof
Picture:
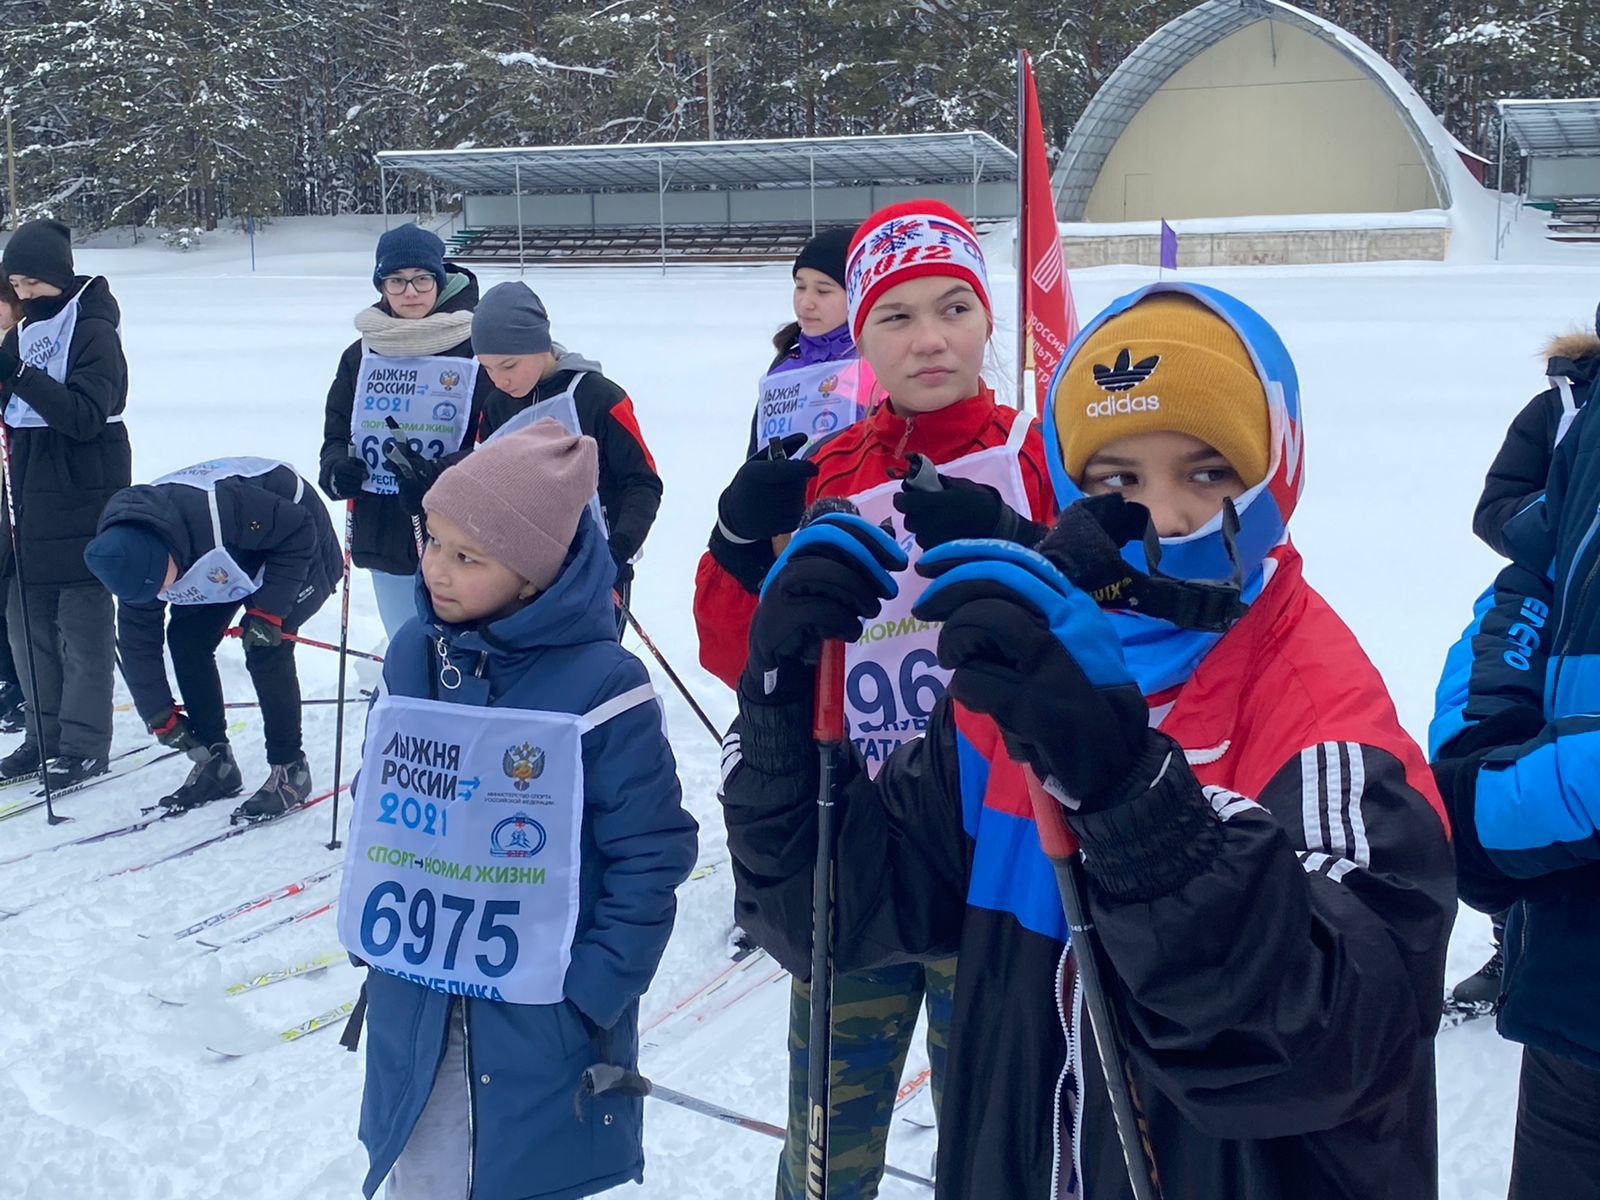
913	159
1179	41
1553	128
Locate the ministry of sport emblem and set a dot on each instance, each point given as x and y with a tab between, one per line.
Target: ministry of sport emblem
218	575
450	380
523	764
518	836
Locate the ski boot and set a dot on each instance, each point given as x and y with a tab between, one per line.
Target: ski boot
1478	995
13	712
69	770
287	787
21	763
215	779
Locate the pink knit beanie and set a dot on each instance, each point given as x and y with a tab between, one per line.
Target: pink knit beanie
519	497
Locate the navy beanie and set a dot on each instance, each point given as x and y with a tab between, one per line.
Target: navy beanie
130	560
41	249
826	253
409	247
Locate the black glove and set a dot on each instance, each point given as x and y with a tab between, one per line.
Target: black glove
834	574
413	474
767	496
342	477
1033	651
260	630
960	508
10	365
172	729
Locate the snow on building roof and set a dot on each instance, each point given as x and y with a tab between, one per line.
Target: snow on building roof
1553	128
1180	40
914	159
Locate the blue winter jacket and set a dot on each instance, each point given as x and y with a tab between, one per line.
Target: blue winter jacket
1516	748
533	1137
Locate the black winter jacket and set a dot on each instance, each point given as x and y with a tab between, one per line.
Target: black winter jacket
383	538
630	488
1519	470
65	471
1278	948
275	523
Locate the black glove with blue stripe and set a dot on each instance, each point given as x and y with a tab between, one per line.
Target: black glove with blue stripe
834	574
1033	651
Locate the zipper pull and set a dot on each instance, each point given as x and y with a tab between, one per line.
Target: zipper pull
905	438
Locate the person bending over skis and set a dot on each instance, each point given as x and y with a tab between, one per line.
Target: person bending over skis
1268	867
205	540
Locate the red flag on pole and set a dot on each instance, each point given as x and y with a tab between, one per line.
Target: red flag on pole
1049	318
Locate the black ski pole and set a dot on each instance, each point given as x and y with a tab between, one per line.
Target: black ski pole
605	1077
1061	848
827	729
344	646
417	535
683	690
27	628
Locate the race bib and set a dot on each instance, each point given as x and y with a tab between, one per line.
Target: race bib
429	397
814	400
463	868
892	675
44	346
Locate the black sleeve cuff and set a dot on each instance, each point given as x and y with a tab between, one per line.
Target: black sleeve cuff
747	563
775	733
1153	844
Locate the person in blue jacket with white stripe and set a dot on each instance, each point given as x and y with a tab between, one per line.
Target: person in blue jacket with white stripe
1516	748
514	850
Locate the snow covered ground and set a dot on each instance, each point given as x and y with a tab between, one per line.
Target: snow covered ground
1410	374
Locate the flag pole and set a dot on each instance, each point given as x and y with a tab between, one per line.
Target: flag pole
1022	233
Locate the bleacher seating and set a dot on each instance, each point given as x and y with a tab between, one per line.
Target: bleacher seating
1575	221
624	243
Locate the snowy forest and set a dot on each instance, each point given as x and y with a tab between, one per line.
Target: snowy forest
173	112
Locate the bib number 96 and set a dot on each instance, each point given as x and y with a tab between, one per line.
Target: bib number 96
876	696
387	917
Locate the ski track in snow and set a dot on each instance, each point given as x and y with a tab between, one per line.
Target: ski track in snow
1410	371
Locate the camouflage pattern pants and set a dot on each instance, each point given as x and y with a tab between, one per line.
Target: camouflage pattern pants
874	1016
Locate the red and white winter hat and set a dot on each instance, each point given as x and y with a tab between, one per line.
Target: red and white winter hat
906	241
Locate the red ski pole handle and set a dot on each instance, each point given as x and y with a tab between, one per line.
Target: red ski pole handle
827	708
1057	840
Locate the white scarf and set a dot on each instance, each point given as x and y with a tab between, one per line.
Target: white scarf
394	337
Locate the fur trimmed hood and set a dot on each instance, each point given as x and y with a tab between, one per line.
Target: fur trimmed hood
1575	345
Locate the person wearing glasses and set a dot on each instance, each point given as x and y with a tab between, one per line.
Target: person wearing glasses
413	364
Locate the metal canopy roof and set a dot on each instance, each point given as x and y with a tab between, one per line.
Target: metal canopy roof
1553	128
1159	57
915	159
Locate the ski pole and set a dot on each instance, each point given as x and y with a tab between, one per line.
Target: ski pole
235	631
344	650
683	689
605	1077
416	521
257	704
1104	1016
827	728
27	627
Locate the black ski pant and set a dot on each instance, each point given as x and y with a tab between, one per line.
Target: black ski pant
73	633
194	631
1558	1130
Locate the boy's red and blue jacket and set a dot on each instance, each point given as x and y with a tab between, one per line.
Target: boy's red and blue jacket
1516	748
1275	908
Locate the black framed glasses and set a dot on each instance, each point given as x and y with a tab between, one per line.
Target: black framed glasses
395	285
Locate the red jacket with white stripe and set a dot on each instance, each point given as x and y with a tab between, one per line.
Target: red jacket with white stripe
868	453
1275	910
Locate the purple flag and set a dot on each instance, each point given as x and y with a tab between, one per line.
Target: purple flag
1169	247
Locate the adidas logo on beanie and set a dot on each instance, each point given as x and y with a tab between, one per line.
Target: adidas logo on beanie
1168	364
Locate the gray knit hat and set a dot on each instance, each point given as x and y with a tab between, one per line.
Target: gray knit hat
510	319
520	496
